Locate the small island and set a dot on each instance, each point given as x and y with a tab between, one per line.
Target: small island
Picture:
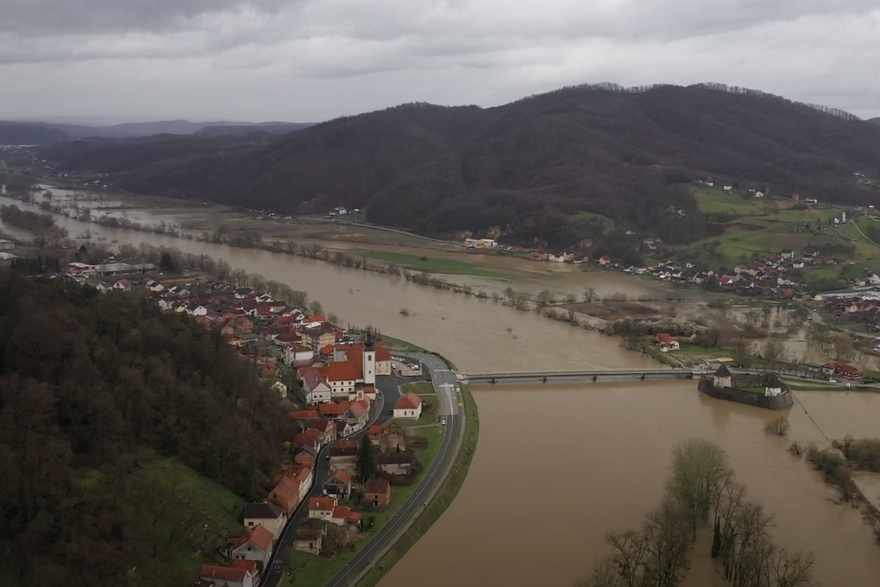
746	389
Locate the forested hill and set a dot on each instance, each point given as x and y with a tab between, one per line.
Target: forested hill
524	170
128	439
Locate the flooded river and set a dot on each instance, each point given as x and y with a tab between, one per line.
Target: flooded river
558	467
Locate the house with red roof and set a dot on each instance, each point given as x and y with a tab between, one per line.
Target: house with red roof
843	370
408	407
310	437
255	544
338	483
666	342
326	431
343	516
378	493
285	494
237	575
321	508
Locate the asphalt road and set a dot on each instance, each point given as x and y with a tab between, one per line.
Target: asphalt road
444	382
389	388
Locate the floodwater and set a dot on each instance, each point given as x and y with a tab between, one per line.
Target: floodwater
558	467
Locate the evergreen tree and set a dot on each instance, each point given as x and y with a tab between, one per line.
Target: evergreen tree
367	460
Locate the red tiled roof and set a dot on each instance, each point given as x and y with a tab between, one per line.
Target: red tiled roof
349	443
349	370
341	475
304	415
357	409
408	402
324	504
377	486
247	565
260	537
314	319
308	438
321	425
332	409
286	490
326	350
377	430
342	511
663	337
217	573
382	354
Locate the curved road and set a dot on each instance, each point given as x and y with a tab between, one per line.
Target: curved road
446	386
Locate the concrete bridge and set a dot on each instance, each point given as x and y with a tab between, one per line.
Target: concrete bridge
603	375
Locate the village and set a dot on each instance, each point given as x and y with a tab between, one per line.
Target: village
330	377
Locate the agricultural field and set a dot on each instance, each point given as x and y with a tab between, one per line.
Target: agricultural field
761	227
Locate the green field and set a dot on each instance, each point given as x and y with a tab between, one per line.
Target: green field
432	265
716	200
762	227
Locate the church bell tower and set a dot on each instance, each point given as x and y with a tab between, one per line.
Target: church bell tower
369	361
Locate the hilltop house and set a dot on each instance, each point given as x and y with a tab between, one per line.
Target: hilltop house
666	342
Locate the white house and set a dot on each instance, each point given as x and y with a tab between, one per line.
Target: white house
321	508
408	407
265	514
317	389
255	545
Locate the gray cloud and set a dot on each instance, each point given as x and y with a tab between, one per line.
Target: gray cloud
41	17
312	59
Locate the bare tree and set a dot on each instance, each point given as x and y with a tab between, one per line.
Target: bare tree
629	552
791	569
699	469
589	295
668	542
604	574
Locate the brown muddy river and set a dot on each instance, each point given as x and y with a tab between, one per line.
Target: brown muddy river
559	467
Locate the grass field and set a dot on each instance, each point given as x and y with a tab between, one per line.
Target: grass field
716	200
308	570
765	227
432	265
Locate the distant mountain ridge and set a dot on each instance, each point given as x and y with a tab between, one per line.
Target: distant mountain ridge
525	171
43	133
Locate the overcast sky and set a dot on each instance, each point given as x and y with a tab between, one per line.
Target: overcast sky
310	60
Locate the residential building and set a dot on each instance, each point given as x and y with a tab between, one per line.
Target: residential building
388	437
408	407
343	455
343	516
395	464
232	576
255	545
309	536
315	385
321	508
378	493
265	514
305	456
338	483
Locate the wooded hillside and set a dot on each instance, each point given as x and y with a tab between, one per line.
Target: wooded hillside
128	438
525	170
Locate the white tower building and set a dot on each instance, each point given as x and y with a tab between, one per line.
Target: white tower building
369	362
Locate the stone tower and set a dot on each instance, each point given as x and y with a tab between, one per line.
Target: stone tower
369	361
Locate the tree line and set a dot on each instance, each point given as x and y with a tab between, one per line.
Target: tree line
93	388
701	490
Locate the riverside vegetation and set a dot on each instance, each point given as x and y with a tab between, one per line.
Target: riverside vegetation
701	490
130	438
